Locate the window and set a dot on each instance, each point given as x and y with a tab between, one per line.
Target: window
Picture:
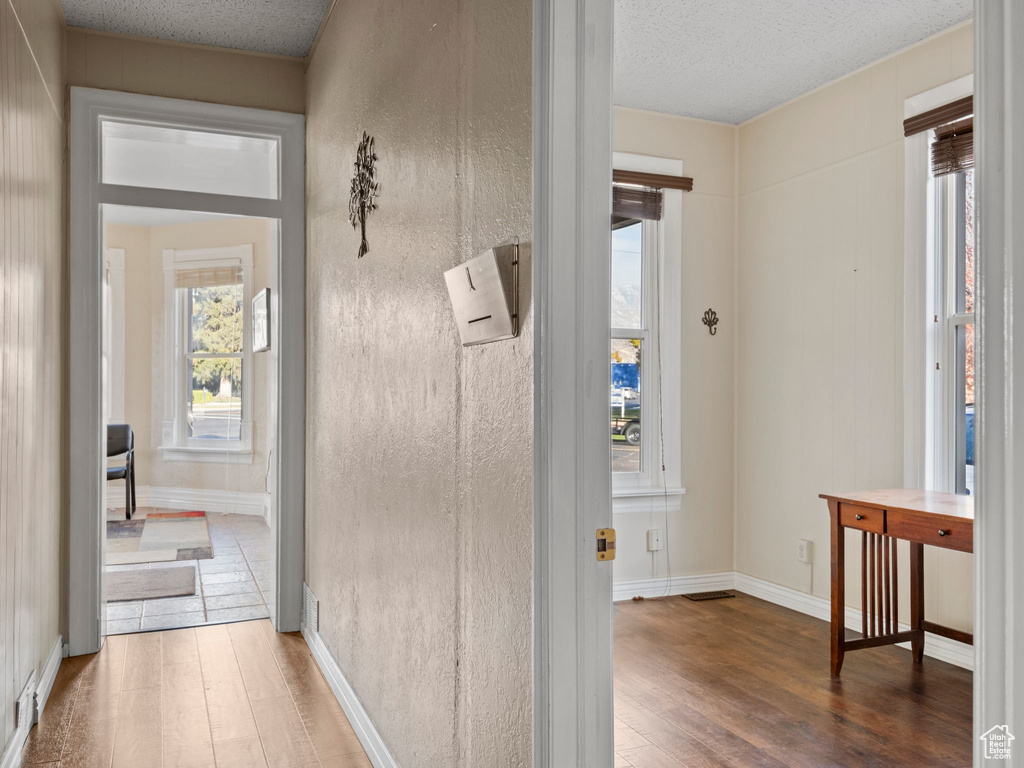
632	319
645	345
208	406
954	199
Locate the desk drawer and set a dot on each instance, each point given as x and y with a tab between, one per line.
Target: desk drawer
862	518
957	534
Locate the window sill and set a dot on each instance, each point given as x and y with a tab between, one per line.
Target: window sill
646	499
206	455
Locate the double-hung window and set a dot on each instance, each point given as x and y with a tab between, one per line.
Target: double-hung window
208	403
954	371
645	344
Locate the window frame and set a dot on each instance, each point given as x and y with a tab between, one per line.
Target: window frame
647	333
949	255
176	445
661	274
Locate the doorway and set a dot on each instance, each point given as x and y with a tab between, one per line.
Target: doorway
187	361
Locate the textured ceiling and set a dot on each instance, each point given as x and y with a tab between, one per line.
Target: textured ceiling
730	60
268	26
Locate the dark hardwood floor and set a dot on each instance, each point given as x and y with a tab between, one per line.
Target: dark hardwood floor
743	682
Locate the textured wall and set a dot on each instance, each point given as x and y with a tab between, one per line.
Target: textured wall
156	68
820	359
31	335
419	452
144	350
700	536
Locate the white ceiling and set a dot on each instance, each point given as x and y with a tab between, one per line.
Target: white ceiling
730	60
268	26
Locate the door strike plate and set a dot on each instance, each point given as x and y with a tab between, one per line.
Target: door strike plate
605	543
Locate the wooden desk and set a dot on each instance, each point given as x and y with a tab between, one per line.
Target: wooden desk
921	517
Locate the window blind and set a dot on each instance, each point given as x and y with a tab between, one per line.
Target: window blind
636	202
953	148
207	277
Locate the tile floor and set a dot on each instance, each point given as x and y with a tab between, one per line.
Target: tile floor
235	585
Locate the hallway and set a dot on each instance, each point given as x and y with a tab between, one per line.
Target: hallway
232	695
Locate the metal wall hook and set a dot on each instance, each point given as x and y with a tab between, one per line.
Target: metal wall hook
711	320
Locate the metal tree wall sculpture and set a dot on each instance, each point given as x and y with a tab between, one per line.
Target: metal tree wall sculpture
364	190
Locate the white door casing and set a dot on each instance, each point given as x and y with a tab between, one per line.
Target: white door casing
572	154
88	193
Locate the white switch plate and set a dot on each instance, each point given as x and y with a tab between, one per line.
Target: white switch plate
805	551
654	540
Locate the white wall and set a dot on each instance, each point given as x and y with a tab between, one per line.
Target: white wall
31	337
145	354
819	357
700	534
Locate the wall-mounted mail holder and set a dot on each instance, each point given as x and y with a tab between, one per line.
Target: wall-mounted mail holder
485	294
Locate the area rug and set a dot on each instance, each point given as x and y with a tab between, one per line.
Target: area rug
159	537
151	583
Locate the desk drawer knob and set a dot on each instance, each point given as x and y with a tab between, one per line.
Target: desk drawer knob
943	533
859	517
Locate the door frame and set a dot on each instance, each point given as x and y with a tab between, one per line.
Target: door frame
572	161
85	432
999	535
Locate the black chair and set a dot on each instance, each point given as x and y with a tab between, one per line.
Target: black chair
121	440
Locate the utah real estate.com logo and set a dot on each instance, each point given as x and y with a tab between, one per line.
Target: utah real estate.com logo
997	743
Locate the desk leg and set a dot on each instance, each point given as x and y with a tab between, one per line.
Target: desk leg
838	589
917	599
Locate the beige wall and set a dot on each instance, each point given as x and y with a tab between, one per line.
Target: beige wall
700	536
419	452
820	302
31	335
199	73
144	350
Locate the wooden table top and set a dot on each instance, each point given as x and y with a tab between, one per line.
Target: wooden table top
952	505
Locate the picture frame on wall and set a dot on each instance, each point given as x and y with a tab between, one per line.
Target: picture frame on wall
261	321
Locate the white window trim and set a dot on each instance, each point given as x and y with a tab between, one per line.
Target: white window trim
175	446
113	263
644	491
923	343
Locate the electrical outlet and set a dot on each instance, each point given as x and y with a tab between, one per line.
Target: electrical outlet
805	551
654	540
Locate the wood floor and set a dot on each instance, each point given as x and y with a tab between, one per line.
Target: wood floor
231	695
743	682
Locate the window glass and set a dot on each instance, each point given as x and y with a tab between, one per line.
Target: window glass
215	405
626	355
162	157
214	364
965	417
216	325
627	273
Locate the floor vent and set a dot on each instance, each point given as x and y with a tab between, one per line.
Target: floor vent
717	595
310	609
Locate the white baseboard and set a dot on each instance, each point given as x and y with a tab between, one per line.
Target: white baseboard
358	717
935	646
48	675
11	757
677	585
224	502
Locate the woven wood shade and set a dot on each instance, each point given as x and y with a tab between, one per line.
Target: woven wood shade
953	148
933	118
636	202
207	277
